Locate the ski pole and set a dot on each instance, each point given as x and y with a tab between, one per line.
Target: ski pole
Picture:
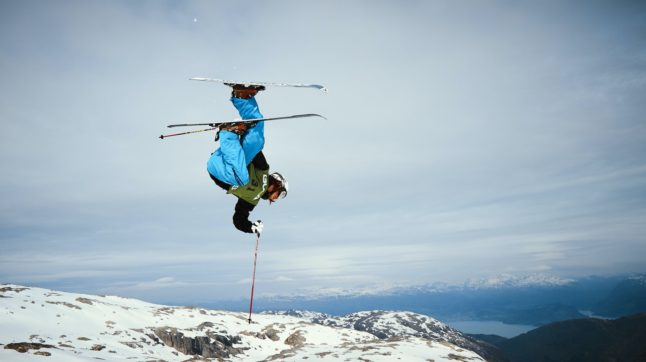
253	280
189	132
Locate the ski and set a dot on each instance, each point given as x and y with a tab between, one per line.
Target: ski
231	83
216	124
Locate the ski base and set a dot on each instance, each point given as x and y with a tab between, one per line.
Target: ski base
231	83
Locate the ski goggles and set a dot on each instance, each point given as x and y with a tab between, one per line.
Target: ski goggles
283	184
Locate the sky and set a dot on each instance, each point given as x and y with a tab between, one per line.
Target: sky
463	140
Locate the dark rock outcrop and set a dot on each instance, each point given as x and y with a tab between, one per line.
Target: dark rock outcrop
209	346
296	340
23	347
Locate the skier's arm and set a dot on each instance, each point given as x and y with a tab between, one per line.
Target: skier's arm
241	216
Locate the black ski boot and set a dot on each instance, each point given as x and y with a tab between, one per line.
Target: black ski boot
238	128
245	91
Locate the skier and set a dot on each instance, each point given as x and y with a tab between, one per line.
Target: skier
239	166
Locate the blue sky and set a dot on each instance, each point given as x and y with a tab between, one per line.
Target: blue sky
464	140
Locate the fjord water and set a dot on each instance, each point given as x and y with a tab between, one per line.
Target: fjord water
491	327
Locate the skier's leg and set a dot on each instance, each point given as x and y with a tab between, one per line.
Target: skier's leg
247	108
254	139
228	163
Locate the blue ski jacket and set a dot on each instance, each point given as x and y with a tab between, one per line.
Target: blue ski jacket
229	162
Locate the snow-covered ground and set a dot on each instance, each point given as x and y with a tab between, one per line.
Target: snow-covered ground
56	326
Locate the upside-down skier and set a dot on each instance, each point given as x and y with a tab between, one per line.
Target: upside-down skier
239	166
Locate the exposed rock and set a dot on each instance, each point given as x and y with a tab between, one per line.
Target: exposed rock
272	333
97	347
258	335
164	311
69	305
23	347
84	300
455	357
133	345
205	325
220	347
296	340
285	355
228	341
35	338
10	289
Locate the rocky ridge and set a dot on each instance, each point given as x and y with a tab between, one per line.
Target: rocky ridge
398	324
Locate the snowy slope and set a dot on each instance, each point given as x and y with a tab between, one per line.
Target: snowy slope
393	324
385	324
56	326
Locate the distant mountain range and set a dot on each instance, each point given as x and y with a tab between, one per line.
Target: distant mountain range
533	300
514	281
503	281
627	297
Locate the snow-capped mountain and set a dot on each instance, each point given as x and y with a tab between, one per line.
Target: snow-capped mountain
638	278
75	327
385	324
396	324
492	282
513	281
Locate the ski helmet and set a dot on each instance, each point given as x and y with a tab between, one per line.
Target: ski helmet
282	184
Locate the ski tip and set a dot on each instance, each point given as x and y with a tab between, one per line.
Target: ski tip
161	137
317	115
